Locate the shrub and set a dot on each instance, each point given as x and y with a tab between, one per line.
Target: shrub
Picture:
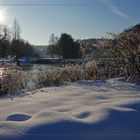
47	77
50	77
71	73
91	70
12	80
128	50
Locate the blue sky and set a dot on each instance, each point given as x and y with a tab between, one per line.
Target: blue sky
80	18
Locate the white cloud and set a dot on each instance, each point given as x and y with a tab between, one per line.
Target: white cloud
115	9
118	12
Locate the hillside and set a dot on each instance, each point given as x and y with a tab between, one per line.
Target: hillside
91	40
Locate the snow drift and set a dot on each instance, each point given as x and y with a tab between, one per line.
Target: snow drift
85	110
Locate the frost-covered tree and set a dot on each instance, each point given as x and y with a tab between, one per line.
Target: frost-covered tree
128	50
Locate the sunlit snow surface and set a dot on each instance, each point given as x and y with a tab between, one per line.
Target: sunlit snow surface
85	110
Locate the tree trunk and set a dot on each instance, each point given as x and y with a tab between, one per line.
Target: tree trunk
17	61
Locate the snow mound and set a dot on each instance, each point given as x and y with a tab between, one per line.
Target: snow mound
85	110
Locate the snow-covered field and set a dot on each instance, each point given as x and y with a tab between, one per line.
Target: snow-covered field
86	110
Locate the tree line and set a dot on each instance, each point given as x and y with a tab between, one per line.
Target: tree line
12	45
64	47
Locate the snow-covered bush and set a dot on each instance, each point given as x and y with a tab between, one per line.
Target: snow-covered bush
107	72
71	73
91	70
50	77
128	50
12	80
47	77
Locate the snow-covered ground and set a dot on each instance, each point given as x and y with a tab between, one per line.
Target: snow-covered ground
86	110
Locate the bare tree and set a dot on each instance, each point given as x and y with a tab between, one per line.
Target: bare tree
108	62
52	44
16	39
3	32
4	41
128	50
16	30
